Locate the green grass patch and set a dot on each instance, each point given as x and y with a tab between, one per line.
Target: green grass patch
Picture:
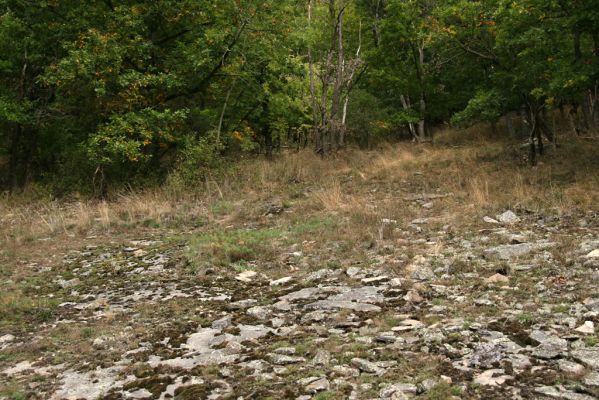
442	391
16	307
237	246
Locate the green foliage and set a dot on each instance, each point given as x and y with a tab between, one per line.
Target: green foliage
132	136
196	159
115	93
226	247
485	106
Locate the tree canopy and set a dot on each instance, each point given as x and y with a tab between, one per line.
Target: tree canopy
126	90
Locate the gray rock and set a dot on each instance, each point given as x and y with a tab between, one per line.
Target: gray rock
354	272
88	385
322	357
321	274
365	294
519	361
492	377
509	251
281	359
345	370
250	332
259	312
318	385
589	357
570	367
592	379
561	393
242	304
314	316
346	305
288	351
427	385
222	323
398	391
6	340
367	366
305	294
508	217
423	273
550	346
485	355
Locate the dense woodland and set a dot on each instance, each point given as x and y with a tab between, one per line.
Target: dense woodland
101	93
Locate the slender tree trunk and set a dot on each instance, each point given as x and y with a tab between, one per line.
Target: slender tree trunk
375	26
317	138
335	118
350	86
222	114
405	102
422	128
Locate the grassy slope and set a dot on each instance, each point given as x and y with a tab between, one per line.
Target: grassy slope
335	208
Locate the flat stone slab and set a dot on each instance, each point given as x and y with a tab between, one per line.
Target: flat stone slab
589	357
347	305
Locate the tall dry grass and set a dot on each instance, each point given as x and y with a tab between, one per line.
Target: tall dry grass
480	173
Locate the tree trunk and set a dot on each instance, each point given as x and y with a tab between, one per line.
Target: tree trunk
317	138
335	118
222	115
405	102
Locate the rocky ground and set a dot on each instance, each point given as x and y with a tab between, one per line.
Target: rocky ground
289	305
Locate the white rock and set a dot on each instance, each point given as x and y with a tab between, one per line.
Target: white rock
281	281
413	297
570	367
139	394
492	377
375	279
490	220
246	276
407	325
4	340
497	278
588	327
318	385
18	369
508	217
593	254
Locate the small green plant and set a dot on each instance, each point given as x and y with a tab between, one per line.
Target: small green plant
323	396
467	323
526	318
443	391
561	308
454	337
222	208
241	266
591	341
87	332
225	247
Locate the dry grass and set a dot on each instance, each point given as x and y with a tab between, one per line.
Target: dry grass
481	174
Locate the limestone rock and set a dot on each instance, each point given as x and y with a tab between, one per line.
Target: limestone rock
587	328
492	377
367	366
508	217
588	356
497	278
